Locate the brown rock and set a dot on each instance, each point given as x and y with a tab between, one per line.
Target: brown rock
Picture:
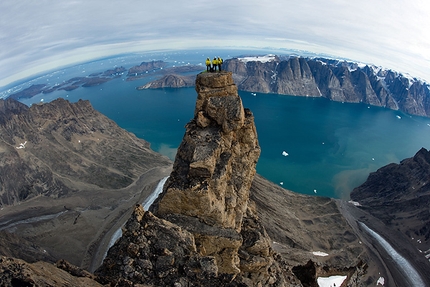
215	163
16	272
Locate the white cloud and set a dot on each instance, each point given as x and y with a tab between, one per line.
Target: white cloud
37	35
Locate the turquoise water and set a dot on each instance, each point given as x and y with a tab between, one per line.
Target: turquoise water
331	146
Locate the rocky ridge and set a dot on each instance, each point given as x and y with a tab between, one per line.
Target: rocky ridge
333	79
202	231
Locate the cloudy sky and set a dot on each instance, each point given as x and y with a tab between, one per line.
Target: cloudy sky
42	35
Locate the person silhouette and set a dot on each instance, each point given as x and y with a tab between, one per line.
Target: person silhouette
214	64
219	61
208	64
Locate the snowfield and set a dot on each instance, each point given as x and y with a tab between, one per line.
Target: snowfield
263	59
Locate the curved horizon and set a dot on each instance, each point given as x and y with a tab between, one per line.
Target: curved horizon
42	36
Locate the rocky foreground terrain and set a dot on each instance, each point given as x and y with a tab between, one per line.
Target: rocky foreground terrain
67	175
70	178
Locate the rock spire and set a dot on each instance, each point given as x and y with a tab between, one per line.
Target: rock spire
204	230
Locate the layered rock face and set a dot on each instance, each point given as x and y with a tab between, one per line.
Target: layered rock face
204	232
333	79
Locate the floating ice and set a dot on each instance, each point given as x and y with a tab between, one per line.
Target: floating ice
399	117
284	153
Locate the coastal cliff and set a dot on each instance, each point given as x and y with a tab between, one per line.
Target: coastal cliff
333	79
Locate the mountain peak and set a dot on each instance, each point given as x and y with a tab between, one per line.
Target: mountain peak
204	204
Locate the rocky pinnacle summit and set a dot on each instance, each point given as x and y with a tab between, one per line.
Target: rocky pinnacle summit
202	230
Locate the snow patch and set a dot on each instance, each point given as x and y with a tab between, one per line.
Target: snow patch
320	253
355	203
150	199
381	281
21	145
331	281
146	204
263	59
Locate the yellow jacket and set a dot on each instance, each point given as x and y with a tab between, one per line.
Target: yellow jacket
208	62
219	60
214	61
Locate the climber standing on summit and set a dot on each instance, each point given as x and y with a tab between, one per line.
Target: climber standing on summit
208	65
219	61
214	64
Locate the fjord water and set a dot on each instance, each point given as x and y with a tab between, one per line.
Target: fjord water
309	145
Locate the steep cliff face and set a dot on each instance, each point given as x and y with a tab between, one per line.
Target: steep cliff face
336	80
211	236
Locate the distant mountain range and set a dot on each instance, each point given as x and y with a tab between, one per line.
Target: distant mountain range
337	80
